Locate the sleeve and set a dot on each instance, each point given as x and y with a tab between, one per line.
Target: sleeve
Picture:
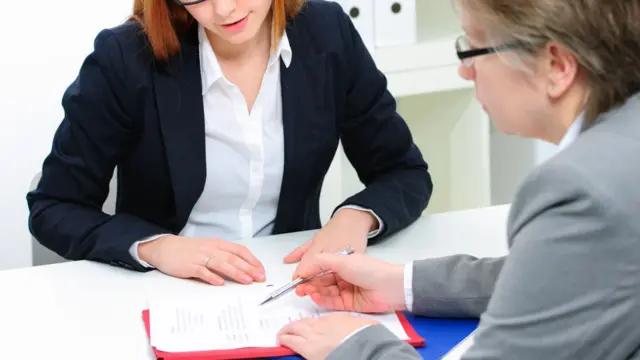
456	286
378	143
373	233
133	250
408	286
95	134
569	288
374	342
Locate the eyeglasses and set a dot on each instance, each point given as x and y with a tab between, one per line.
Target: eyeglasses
187	3
466	52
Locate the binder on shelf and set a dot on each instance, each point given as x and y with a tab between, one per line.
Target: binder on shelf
395	22
256	352
362	16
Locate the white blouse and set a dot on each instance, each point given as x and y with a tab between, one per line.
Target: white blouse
244	154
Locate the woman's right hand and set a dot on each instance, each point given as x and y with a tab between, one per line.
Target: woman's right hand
208	259
356	283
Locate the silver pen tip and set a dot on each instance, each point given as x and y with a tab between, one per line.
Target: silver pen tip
265	301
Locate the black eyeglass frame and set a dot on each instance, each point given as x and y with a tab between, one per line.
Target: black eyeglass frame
187	3
462	55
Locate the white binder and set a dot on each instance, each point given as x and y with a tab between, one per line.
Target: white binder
362	16
395	22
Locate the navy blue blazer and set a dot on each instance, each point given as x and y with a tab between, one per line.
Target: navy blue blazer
127	110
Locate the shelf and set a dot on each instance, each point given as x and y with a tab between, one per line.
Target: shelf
452	132
422	68
425	81
447	123
431	64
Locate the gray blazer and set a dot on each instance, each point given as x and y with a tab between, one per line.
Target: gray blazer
570	286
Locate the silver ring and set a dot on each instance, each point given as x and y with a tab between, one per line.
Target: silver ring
206	261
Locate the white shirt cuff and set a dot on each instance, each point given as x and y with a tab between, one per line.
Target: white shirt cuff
353	333
408	286
380	223
133	250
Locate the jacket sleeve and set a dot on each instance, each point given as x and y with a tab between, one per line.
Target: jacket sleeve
378	143
374	343
456	286
569	287
96	133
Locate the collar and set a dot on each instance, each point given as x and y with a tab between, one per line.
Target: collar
572	133
210	67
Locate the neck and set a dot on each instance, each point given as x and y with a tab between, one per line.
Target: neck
225	50
568	110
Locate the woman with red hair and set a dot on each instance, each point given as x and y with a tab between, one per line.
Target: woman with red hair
222	118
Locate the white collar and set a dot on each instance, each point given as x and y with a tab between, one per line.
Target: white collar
210	67
572	133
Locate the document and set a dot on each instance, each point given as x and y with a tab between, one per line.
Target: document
231	321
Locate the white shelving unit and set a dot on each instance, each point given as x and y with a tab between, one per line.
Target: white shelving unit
470	163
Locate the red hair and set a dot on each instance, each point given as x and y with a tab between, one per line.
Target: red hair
163	20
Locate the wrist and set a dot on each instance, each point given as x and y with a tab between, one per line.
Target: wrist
395	281
147	250
362	219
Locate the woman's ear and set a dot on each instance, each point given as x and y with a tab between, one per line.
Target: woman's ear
561	67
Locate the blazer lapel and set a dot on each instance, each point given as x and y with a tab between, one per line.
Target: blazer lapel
302	87
181	114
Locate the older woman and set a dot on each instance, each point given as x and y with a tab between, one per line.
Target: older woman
567	72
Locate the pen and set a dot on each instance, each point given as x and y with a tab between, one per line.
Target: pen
292	285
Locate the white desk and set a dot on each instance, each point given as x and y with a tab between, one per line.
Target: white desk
89	311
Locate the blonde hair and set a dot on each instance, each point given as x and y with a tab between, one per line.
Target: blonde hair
604	36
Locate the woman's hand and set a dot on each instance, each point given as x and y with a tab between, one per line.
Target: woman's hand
348	227
208	259
356	283
315	338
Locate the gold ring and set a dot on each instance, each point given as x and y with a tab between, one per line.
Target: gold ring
206	261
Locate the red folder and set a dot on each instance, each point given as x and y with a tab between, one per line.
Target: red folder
256	352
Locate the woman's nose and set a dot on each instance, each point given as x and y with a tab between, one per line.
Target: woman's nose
224	8
467	73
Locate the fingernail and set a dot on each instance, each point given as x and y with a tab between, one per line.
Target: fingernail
247	279
261	277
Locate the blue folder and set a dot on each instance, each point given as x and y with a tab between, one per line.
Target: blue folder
440	335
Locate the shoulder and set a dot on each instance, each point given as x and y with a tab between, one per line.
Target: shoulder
124	50
593	179
318	12
323	24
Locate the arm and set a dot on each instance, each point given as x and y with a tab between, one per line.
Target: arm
96	132
457	286
378	143
569	288
372	343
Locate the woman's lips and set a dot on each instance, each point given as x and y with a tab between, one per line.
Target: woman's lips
235	26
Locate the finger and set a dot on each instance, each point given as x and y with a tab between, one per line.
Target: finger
221	266
324	280
302	328
256	274
315	263
316	284
293	342
202	273
243	252
329	301
296	254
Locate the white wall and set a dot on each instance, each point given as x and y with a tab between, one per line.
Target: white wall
43	45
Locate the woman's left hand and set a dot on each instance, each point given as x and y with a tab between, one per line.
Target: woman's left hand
315	338
348	227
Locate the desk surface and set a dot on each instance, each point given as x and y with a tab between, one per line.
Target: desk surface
85	310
